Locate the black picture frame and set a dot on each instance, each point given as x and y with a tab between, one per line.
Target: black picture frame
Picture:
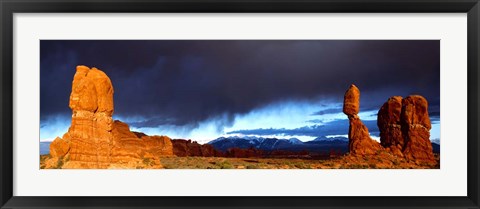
9	7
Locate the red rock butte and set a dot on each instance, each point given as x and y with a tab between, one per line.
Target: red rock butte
404	127
94	140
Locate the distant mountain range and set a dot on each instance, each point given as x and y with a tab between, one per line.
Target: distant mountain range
318	145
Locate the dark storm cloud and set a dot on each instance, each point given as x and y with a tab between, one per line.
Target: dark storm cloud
185	82
315	121
329	111
152	122
336	127
337	110
434	113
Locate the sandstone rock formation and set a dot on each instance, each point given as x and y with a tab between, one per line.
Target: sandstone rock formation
351	101
360	142
94	140
388	122
405	127
59	147
183	148
128	147
236	152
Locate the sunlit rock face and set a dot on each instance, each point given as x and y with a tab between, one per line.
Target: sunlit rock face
404	126
416	129
94	140
90	132
351	101
390	126
360	142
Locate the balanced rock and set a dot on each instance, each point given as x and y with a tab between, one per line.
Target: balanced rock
360	142
404	126
351	101
94	140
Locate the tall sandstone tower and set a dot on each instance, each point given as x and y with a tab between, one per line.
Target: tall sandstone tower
94	140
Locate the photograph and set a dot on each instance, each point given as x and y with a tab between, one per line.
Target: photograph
239	104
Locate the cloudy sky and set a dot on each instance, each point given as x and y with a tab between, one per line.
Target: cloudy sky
204	89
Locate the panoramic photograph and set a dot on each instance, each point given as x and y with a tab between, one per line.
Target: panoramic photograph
239	104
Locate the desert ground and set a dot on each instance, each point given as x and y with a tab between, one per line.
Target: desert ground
383	160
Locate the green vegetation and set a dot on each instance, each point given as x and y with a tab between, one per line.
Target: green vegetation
225	165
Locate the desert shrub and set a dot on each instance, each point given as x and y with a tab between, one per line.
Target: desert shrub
262	165
301	165
43	158
59	164
252	167
328	164
168	166
147	161
47	156
200	166
358	166
225	165
395	162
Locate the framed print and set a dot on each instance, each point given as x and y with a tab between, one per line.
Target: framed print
243	104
